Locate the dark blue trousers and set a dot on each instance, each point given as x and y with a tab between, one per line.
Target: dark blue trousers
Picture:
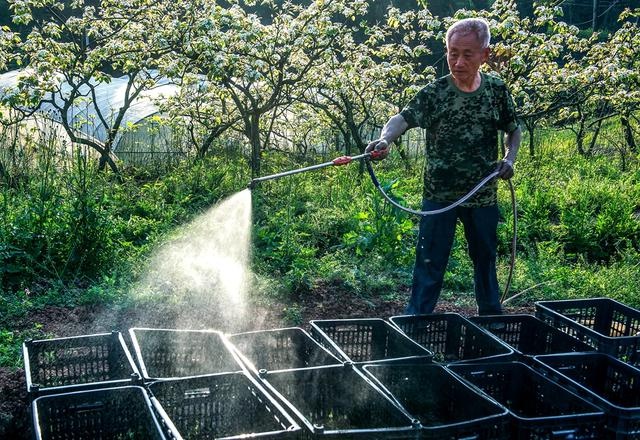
432	254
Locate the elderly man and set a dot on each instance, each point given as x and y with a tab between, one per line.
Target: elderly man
462	113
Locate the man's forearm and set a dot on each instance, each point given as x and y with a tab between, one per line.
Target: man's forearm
393	129
512	144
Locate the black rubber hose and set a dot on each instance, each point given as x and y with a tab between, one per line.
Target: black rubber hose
487	179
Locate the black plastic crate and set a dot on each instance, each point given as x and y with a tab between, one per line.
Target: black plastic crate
339	402
221	406
366	340
445	406
81	362
281	349
607	325
530	336
107	413
452	338
540	408
604	380
167	353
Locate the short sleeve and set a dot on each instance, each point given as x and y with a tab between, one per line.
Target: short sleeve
416	112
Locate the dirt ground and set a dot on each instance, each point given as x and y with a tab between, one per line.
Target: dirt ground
323	302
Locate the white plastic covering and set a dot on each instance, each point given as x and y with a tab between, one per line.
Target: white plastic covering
83	115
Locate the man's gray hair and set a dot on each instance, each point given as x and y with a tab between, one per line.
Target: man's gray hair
479	26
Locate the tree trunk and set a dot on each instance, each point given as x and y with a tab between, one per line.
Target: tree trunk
254	138
348	145
202	150
531	131
402	152
592	144
106	159
580	139
628	134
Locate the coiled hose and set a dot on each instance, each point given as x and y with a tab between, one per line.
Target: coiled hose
482	183
343	160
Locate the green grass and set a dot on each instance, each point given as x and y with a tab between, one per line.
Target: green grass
578	231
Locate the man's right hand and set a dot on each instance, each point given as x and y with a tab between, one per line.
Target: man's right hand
380	147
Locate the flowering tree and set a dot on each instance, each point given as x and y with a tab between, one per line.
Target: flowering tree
614	66
375	69
535	56
271	68
403	49
349	98
264	62
8	41
202	110
70	52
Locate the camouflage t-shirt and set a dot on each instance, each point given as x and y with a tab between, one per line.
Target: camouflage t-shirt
462	136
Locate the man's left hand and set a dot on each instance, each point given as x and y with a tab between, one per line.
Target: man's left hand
505	169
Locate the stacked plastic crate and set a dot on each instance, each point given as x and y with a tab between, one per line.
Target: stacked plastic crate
568	373
441	405
528	336
200	388
327	395
605	381
87	387
605	324
489	353
608	378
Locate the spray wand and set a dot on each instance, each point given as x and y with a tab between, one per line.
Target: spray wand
344	160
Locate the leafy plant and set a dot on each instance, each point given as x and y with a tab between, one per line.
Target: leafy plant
11	344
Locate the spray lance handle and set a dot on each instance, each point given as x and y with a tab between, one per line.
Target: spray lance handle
375	154
343	160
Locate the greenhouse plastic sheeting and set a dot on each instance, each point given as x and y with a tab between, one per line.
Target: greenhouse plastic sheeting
109	99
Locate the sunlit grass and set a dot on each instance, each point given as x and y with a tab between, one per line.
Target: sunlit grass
578	230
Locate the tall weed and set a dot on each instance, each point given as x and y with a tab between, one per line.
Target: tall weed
67	224
587	205
71	224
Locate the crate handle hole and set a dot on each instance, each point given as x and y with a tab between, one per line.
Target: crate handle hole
197	393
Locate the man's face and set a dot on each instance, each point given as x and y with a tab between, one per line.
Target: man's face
465	55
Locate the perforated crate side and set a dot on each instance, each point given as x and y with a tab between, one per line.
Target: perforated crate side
539	407
221	406
607	325
107	413
281	349
445	406
80	362
452	338
366	340
170	353
530	336
607	382
338	401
